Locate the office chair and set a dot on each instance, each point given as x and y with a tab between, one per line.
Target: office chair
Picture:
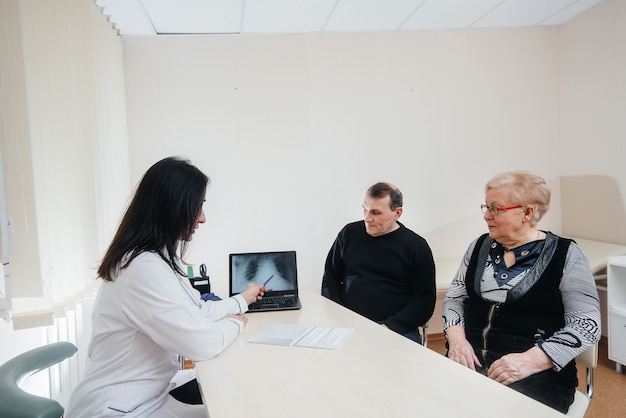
423	330
14	402
588	359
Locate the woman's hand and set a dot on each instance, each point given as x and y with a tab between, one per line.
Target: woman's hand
516	366
459	349
253	293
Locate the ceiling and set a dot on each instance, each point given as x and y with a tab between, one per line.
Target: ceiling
166	17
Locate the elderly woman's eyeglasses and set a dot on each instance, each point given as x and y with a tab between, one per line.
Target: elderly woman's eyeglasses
496	210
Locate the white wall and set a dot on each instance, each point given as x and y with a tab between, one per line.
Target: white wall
292	129
592	103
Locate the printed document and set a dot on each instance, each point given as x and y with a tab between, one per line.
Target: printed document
303	336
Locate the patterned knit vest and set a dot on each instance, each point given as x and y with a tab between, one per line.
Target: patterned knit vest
530	314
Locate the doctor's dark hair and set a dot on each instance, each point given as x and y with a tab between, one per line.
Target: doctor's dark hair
163	211
381	190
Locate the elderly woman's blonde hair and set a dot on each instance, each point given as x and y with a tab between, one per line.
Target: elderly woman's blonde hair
525	188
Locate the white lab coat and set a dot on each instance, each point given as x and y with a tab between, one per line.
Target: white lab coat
140	322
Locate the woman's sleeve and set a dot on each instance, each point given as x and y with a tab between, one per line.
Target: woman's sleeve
160	304
453	310
582	311
218	309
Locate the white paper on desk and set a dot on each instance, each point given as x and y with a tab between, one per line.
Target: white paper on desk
303	336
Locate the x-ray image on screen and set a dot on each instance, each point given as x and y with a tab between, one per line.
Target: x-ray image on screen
259	267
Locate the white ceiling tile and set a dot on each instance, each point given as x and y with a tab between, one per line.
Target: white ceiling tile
566	14
286	16
195	16
153	17
370	15
448	14
521	13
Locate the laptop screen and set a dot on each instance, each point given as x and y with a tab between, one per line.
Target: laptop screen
258	267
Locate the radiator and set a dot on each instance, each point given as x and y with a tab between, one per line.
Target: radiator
72	324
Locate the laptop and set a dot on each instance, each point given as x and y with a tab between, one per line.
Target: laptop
276	269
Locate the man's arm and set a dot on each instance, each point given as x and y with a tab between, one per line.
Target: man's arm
421	304
333	272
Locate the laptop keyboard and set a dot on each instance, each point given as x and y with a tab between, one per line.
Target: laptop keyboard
275	300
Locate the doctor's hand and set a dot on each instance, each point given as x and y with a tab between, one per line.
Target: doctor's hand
459	349
253	293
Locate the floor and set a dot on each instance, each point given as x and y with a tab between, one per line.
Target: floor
609	398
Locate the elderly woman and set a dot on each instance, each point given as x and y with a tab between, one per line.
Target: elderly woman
523	303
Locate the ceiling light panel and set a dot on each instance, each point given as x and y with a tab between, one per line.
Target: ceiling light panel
194	16
286	16
448	14
370	15
521	13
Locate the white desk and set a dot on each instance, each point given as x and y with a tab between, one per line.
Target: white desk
598	252
376	373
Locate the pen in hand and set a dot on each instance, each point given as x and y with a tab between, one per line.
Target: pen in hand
268	280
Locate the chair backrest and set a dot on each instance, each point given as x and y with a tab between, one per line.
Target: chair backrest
589	359
423	330
14	402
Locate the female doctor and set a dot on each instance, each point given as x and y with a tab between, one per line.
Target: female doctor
146	311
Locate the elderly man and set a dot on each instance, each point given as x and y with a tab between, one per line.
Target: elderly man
381	269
